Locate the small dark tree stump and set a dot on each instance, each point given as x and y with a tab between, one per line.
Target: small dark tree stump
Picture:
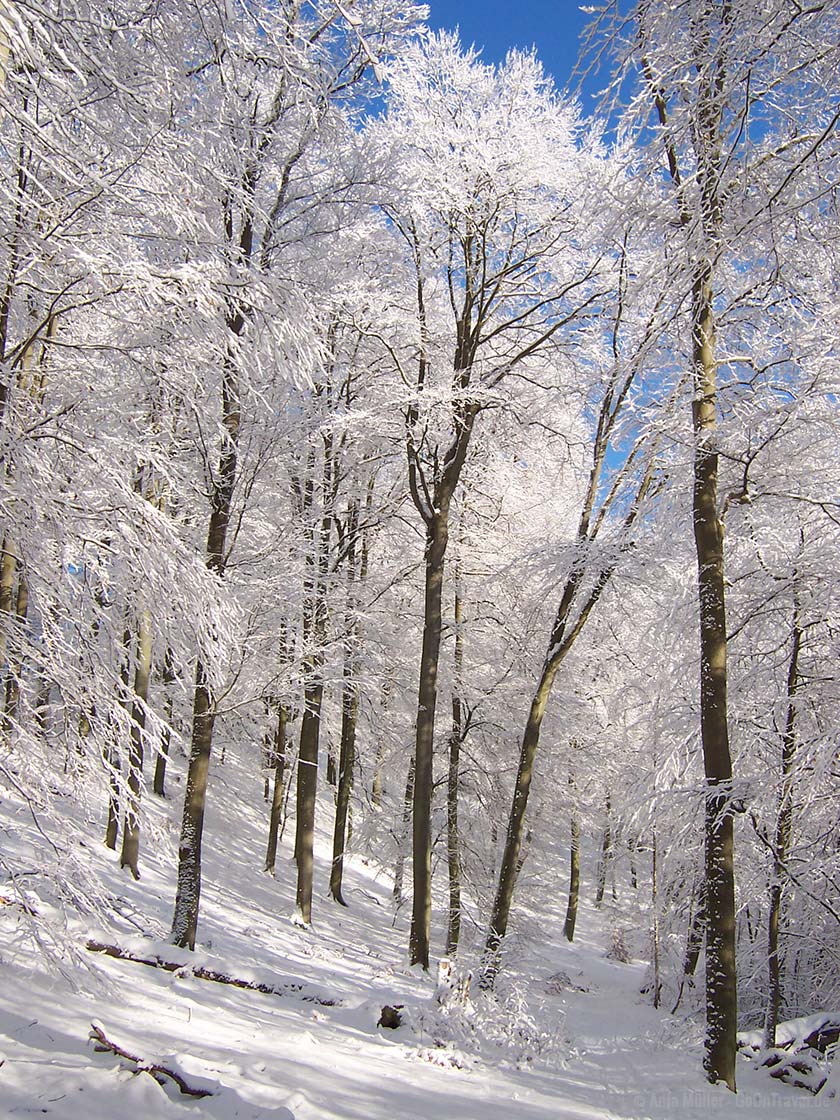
390	1017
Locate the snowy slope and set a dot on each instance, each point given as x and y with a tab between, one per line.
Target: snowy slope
586	1050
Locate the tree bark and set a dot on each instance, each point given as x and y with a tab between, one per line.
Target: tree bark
279	753
12	702
606	852
349	705
111	752
456	737
654	889
376	784
408	800
437	537
167	680
188	896
693	942
8	571
709	48
188	891
130	854
347	763
721	992
317	562
781	846
112	824
515	829
576	605
574	877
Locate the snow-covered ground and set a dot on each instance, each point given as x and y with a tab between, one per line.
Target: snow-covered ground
584	1047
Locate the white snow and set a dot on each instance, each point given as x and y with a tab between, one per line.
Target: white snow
591	1049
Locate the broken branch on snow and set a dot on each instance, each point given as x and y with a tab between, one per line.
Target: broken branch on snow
203	973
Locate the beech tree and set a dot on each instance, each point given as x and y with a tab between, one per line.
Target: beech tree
498	276
610	504
714	83
293	398
314	61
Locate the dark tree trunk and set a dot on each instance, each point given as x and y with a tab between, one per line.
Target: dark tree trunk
408	801
188	896
421	915
111	753
721	992
349	705
188	891
606	853
112	763
784	825
307	786
317	562
453	845
703	219
347	763
376	784
575	607
693	942
515	830
332	768
16	664
130	854
279	759
654	887
8	571
574	878
167	680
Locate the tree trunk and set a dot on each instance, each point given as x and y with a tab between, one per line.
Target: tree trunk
421	915
719	862
564	633
313	694
781	846
453	847
111	753
167	680
347	763
694	938
574	878
721	993
349	707
693	942
188	895
515	829
16	665
279	753
112	824
188	891
408	800
606	852
654	887
8	571
142	672
307	785
433	502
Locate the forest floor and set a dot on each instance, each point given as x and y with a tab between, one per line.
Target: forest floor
584	1046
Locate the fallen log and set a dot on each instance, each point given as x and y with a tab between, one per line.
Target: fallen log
211	974
159	1072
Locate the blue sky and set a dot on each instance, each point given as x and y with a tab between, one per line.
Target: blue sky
553	26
